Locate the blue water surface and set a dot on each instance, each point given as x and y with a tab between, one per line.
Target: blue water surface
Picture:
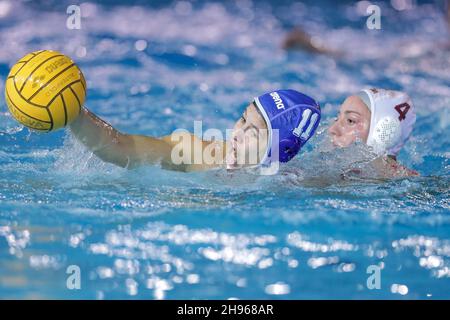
153	67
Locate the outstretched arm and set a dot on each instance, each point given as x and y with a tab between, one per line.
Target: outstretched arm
129	151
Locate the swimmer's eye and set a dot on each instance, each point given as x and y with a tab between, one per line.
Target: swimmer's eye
243	119
351	121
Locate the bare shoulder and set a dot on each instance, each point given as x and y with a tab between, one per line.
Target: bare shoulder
394	169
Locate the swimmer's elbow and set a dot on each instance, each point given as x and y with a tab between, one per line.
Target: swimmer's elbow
118	152
413	173
137	150
404	172
112	157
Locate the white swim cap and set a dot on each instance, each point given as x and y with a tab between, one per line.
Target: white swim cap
391	121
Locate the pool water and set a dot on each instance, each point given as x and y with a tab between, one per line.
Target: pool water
154	234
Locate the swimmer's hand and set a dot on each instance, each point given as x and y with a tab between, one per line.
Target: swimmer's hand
130	151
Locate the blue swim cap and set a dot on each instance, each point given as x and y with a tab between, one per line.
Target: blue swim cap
295	115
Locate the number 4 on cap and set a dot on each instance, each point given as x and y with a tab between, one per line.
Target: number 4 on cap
402	109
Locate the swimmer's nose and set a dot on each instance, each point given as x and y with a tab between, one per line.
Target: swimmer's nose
333	130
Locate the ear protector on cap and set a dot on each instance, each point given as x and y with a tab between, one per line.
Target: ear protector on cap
289	148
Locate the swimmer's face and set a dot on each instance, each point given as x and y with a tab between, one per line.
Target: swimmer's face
352	123
248	141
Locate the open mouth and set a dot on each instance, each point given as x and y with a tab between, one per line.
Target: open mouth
336	144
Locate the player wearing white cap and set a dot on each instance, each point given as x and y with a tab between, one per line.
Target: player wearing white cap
383	119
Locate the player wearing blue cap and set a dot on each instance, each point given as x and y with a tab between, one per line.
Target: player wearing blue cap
273	129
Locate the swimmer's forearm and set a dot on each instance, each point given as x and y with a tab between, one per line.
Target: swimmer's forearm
93	131
112	146
99	137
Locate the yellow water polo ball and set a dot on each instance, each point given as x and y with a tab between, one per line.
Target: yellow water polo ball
45	90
